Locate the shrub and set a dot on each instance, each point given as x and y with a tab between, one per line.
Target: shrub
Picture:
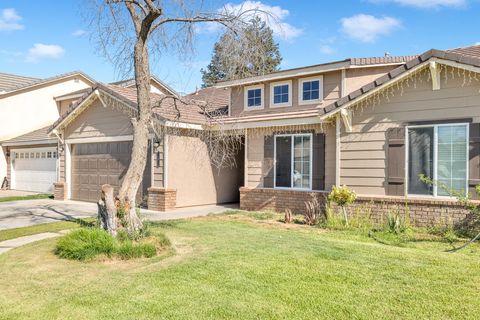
343	197
85	244
129	250
313	211
288	216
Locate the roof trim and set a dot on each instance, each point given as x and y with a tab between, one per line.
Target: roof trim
353	63
443	57
46	81
29	142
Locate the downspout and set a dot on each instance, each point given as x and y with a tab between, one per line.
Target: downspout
338	134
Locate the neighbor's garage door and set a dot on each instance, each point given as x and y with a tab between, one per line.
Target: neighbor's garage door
34	169
96	164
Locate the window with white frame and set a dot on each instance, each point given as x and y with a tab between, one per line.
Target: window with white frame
281	94
439	152
254	97
293	161
310	90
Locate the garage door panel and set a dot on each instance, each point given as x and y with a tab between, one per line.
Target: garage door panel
33	170
97	164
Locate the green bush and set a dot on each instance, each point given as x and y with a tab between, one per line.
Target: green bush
85	244
129	250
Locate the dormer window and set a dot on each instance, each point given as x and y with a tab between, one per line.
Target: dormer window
281	94
310	90
254	97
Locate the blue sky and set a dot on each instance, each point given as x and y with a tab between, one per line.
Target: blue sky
45	38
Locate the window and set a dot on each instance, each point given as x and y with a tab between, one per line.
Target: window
254	97
441	153
293	163
310	90
280	94
49	154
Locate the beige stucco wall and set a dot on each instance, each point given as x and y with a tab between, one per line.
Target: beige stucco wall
29	110
99	121
363	151
255	155
197	182
331	92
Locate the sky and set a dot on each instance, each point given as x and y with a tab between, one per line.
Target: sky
50	37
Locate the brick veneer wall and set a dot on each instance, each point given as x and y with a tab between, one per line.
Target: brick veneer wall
267	199
60	191
422	212
161	199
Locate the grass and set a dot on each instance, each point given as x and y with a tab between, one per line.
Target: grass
45	227
250	267
29	197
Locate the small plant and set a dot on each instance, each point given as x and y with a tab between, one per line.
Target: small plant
85	244
130	250
313	211
288	216
395	224
343	197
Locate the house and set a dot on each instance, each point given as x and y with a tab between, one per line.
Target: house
95	135
35	169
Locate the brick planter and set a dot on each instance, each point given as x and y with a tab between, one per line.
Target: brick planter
277	199
162	199
60	191
423	212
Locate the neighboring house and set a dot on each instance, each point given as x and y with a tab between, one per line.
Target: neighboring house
27	107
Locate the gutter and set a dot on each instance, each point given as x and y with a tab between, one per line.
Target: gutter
29	143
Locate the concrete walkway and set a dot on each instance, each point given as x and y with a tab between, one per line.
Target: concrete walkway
8	245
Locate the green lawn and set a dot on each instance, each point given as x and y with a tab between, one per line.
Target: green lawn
235	267
29	197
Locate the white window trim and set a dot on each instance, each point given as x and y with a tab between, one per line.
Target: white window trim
292	161
435	156
320	91
283	104
245	97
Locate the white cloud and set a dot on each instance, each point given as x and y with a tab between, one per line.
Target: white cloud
326	49
425	3
78	33
44	51
274	16
367	28
10	20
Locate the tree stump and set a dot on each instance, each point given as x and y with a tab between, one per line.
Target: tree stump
107	211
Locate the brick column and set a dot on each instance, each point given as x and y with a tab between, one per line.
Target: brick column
162	199
60	191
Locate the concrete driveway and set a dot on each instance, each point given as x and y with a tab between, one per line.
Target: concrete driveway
25	213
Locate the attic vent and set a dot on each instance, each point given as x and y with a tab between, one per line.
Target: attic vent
76	80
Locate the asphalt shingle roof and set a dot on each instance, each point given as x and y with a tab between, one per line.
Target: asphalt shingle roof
10	81
36	135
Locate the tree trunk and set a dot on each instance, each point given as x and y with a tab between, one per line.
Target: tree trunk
107	211
141	124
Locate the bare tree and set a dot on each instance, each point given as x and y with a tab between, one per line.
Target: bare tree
128	31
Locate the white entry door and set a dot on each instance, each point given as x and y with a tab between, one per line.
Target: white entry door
34	169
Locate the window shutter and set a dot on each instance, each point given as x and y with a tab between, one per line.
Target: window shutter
474	162
318	177
268	161
395	184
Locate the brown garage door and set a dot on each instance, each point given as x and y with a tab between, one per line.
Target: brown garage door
95	164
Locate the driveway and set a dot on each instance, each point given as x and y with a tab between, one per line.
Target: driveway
25	213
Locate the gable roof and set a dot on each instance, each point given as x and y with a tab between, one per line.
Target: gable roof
39	136
166	108
10	81
469	56
37	82
319	68
131	82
